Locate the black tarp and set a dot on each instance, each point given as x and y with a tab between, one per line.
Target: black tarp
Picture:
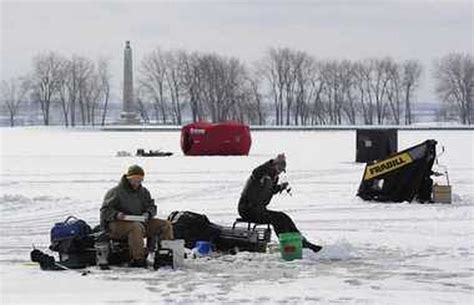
404	176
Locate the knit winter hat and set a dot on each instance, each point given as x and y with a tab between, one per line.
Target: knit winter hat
280	161
135	170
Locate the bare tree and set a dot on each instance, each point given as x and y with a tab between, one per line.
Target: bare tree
362	74
257	97
91	96
331	92
141	105
292	62
303	69
348	90
379	87
152	79
317	85
74	74
290	77
82	84
412	70
65	93
394	90
210	69
243	95
215	86
454	74
302	80
236	88
276	69
248	109
191	81
227	87
174	79
84	69
13	93
45	81
104	83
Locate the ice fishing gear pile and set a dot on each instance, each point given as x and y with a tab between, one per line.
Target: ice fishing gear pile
193	227
404	176
80	246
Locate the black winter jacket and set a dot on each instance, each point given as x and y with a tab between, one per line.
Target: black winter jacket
259	189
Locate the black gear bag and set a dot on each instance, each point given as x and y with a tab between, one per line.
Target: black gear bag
192	227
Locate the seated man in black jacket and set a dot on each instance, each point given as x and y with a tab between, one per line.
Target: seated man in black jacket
257	194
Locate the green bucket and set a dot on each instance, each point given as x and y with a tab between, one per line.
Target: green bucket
291	245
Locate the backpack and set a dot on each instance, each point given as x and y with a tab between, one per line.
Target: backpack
70	236
73	240
192	227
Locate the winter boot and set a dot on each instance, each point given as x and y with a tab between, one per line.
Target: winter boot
313	247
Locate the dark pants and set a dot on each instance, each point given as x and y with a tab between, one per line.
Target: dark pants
281	222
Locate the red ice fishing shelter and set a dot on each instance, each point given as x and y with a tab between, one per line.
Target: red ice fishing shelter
228	138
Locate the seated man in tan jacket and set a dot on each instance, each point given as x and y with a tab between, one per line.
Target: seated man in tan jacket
129	197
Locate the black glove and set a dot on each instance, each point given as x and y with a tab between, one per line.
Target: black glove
283	186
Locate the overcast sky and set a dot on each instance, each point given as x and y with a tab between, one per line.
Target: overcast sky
403	29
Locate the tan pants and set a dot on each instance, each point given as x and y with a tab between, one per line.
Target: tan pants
136	231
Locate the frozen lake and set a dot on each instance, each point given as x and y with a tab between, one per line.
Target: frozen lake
373	253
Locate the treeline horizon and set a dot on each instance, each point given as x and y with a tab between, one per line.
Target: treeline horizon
285	87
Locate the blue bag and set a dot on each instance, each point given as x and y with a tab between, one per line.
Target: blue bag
68	229
73	240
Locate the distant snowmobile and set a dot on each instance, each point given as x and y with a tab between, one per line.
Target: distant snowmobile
404	176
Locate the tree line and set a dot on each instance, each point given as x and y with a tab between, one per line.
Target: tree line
78	86
284	87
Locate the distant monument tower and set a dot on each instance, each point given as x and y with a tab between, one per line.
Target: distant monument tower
129	114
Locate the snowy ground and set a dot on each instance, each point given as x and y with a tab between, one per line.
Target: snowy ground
373	253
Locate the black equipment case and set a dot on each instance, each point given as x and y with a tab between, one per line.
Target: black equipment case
242	239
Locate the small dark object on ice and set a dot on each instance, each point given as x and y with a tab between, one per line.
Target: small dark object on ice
152	153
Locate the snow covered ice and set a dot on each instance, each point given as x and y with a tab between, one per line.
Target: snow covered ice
374	253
